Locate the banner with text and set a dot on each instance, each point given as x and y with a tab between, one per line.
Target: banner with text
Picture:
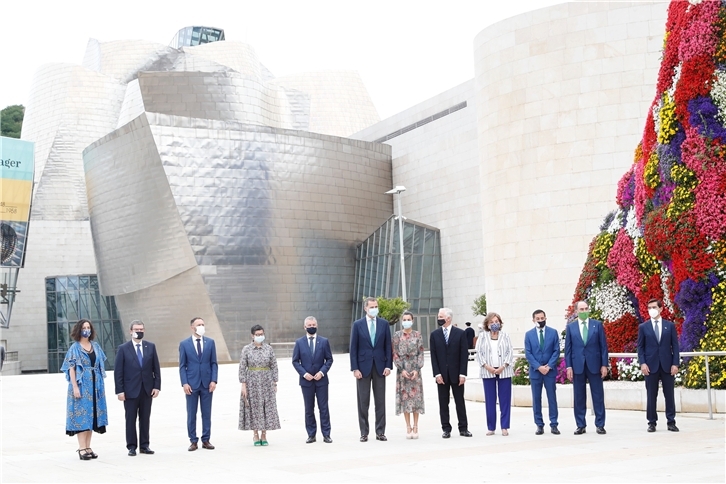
17	168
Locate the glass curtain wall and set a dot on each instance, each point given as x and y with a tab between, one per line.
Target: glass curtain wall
377	270
70	298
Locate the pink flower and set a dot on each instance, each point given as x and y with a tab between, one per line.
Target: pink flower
710	207
700	35
623	263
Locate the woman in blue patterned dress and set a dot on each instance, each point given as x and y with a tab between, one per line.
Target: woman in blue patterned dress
86	403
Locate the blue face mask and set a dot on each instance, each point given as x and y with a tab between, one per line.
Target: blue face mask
373	312
406	324
495	327
86	333
259	339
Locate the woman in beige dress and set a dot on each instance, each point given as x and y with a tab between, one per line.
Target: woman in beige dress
408	356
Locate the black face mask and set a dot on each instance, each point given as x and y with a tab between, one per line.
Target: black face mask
311	330
139	334
542	323
441	322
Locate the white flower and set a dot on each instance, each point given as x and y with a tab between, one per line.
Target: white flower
674	80
656	115
694	2
612	300
667	299
718	94
615	224
631	226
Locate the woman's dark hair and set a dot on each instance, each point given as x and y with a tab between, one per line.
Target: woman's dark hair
407	313
76	331
256	328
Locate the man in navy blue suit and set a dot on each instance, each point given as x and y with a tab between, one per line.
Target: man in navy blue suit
586	357
198	372
659	358
371	361
542	348
312	359
137	377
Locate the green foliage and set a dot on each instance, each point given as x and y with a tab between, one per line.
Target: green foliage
11	120
391	309
480	306
521	372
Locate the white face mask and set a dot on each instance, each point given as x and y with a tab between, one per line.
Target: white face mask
373	312
406	324
259	339
200	330
653	313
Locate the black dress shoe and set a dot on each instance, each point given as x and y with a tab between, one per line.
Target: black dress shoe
193	447
446	435
327	439
554	429
580	431
465	433
381	437
132	452
672	427
364	438
310	440
601	430
207	445
146	450
651	427
539	431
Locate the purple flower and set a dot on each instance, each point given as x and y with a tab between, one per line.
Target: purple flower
694	299
670	153
663	193
703	116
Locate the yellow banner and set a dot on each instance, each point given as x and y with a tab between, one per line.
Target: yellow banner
15	204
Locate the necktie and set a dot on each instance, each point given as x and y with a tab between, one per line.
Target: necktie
312	348
446	335
657	333
372	329
541	339
584	332
138	354
199	348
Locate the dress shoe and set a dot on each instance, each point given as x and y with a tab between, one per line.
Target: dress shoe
651	427
601	430
193	447
92	453
310	440
554	429
132	452
446	435
672	427
327	439
465	433
364	438
580	431
146	450
381	437
539	431
207	445
83	455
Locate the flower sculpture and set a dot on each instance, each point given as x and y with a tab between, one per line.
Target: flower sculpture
667	240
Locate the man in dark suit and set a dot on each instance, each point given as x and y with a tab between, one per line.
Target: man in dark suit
371	361
449	361
312	359
469	335
137	377
586	357
659	358
198	372
542	349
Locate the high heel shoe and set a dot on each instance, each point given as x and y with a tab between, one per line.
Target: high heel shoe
409	435
83	456
90	452
414	435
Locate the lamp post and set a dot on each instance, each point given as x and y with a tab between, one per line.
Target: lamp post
398	189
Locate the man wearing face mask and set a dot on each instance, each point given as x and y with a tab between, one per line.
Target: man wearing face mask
371	361
542	349
137	376
659	358
312	359
586	357
449	361
198	372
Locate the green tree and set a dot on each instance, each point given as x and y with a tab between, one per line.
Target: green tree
11	120
391	309
480	306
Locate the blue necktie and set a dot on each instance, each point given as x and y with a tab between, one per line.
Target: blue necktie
312	348
446	335
138	354
199	348
372	329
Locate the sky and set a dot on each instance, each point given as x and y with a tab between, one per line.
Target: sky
405	51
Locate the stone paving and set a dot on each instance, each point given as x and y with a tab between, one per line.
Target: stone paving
35	448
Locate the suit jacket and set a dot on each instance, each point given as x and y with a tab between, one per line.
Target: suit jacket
194	371
658	355
594	353
304	362
484	354
470	337
449	360
128	375
538	357
363	353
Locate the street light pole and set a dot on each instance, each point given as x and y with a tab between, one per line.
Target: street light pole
398	190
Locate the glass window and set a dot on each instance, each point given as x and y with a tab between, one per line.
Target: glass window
52	336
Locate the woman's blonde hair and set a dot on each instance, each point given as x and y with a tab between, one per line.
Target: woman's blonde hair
488	319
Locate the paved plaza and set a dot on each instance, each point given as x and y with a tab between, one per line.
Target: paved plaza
35	448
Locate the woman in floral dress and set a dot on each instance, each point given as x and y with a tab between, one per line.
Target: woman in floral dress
408	356
258	375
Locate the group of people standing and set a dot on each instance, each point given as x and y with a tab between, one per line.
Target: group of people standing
373	355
